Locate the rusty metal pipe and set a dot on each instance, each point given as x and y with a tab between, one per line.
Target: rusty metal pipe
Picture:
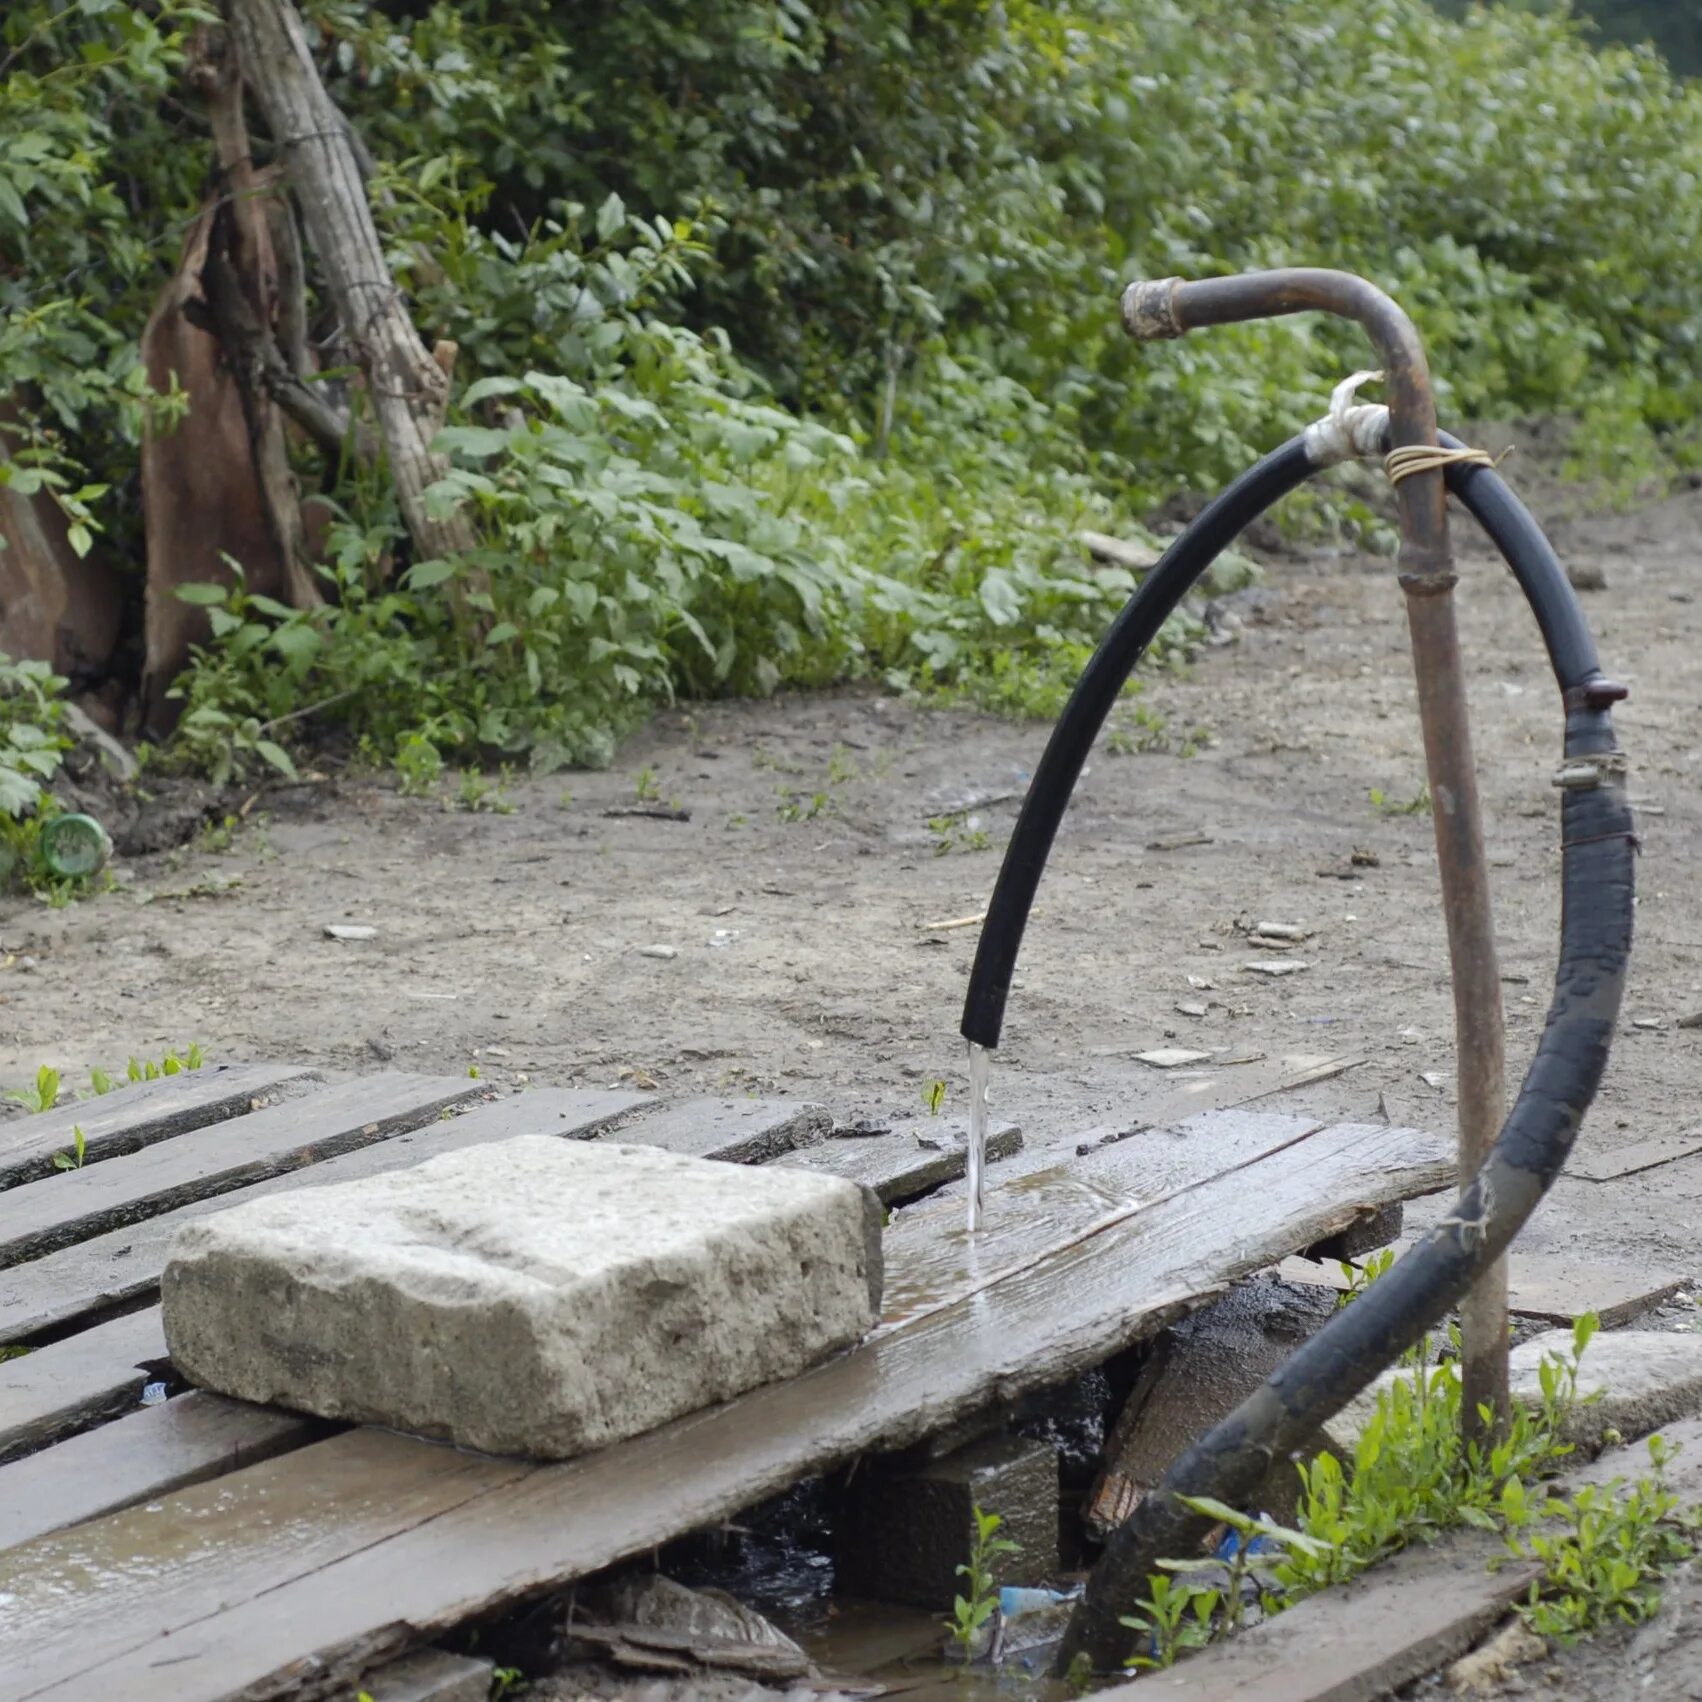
1170	307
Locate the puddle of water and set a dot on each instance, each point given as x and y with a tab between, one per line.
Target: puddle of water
980	1068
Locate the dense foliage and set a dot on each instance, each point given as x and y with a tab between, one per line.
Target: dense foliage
787	327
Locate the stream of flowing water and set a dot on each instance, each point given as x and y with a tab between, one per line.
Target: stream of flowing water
980	1066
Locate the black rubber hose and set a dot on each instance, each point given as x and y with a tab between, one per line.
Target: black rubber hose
1167	582
1598	848
1571	652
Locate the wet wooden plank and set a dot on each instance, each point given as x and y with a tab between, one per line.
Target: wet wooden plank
906	1163
742	1131
72	1206
61	1287
130	1118
198	1599
145	1454
361	1489
75	1383
1602	1159
930	1255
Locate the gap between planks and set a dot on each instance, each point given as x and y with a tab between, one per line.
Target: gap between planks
400	1533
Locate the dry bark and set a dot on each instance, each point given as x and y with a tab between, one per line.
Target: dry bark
409	389
55	606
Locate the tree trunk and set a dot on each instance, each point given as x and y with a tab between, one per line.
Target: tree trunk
410	391
242	287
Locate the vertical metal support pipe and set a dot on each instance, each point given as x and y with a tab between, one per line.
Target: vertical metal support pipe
1170	307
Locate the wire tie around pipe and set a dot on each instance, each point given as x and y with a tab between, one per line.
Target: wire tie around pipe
1586	773
1416	458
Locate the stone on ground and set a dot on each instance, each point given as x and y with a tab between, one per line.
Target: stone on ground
538	1297
1631	1381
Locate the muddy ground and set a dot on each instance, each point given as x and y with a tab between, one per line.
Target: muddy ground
795	900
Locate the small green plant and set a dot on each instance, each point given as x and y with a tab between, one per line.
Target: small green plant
1176	1616
481	796
1604	1549
793	806
217	836
43	1096
72	1160
957	832
172	1064
509	1681
934	1096
1417	805
419	765
980	1596
1358	1278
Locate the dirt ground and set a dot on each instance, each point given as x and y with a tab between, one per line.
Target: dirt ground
794	903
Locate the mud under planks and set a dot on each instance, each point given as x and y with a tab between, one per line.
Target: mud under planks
74	1205
54	1291
130	1118
64	1388
202	1598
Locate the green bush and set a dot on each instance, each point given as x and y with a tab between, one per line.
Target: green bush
787	327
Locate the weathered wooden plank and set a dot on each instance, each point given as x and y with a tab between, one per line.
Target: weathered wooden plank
75	1383
198	1600
742	1131
61	1287
74	1205
1355	1644
1601	1159
1552	1287
897	1165
145	1454
130	1118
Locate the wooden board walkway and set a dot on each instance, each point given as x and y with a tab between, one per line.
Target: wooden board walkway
201	1548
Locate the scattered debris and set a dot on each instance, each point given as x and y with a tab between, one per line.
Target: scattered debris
1171	1057
656	1625
1274	966
1653	1023
1180	842
1433	1078
1282	931
1694	1020
651	812
1486	1669
1201	984
1137	558
1191	1007
663	952
349	931
1363	859
974	921
1586	575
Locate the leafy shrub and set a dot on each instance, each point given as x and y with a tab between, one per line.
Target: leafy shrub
781	366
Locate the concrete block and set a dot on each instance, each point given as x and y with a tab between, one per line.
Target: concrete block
431	1675
1644	1379
906	1525
538	1297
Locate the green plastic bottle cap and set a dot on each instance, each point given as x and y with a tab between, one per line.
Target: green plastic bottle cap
75	846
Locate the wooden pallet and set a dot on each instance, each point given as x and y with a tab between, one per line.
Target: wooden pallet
202	1548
